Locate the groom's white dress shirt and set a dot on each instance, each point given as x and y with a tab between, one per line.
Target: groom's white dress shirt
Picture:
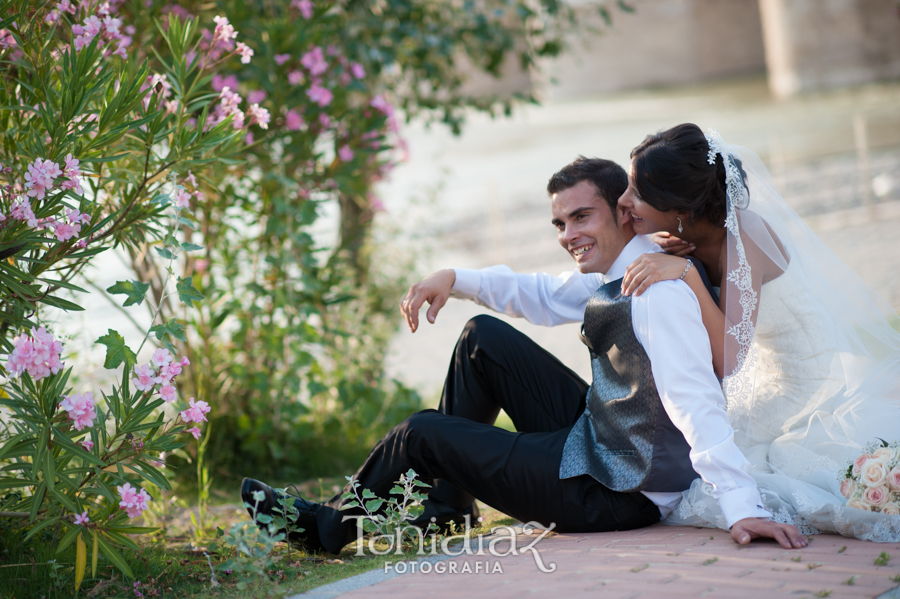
667	321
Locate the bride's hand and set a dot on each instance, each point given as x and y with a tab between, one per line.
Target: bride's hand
649	269
671	244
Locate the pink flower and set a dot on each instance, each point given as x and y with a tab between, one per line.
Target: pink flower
292	120
320	95
258	116
65	231
81	519
280	59
182	199
80	408
345	153
314	60
245	51
87	444
6	39
859	504
78	218
196	412
305	7
169	372
858	463
194	431
380	104
185	361
219	83
357	70
133	502
71	168
92	26
224	30
325	120
21	210
891	509
256	96
893	479
38	355
249	139
144	378
847	487
876	496
161	357
296	78
167	393
873	472
40	176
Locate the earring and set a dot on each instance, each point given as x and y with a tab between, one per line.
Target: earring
680	228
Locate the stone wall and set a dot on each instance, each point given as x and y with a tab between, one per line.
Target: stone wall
821	44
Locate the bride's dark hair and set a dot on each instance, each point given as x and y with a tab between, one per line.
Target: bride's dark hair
672	172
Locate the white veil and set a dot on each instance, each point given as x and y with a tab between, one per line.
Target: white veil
812	363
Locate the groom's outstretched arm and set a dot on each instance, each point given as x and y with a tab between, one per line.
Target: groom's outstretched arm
540	298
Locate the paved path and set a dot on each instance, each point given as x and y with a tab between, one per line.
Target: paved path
660	561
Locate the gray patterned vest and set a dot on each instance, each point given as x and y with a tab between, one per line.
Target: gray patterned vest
624	439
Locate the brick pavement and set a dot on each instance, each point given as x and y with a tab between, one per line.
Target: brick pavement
660	561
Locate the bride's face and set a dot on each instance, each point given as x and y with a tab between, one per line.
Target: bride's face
645	218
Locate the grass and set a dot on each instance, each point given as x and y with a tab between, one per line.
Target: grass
172	564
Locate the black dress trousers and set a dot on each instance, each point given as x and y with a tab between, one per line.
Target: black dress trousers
458	450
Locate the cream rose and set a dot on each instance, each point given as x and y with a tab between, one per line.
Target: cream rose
893	479
891	509
860	462
873	472
859	504
883	453
848	485
876	496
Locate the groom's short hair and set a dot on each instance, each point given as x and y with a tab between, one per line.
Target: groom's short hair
608	177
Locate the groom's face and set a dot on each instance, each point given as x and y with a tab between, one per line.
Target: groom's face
587	228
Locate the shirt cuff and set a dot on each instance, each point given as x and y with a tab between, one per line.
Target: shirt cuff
467	283
742	503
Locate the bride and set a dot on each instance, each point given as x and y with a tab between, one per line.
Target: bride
809	362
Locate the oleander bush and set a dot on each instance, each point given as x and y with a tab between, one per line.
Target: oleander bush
230	151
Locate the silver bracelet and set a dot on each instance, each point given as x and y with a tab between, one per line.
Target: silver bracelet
687	267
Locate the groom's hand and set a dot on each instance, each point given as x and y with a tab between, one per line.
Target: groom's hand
748	529
434	289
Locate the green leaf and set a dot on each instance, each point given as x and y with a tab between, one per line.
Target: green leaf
135	290
116	350
374	505
172	327
65	500
114	556
186	291
190	247
40	526
68	538
165	253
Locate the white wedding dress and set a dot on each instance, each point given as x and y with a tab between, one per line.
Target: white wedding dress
797	423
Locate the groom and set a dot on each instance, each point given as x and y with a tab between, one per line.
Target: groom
614	455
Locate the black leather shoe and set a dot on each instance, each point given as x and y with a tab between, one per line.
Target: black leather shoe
309	537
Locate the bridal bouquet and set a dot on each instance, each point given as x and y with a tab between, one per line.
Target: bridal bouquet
872	481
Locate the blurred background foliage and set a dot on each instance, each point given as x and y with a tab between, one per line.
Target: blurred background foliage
289	344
